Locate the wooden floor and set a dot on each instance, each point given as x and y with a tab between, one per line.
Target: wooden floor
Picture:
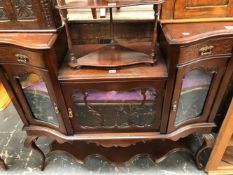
4	98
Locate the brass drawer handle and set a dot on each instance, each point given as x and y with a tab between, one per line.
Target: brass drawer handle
22	58
207	50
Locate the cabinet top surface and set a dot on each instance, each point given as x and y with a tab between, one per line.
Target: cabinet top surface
29	40
159	70
190	32
72	4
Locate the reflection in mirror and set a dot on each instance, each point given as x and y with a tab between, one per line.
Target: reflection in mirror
194	91
36	93
115	109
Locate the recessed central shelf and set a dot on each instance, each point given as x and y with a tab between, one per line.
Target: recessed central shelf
156	71
112	56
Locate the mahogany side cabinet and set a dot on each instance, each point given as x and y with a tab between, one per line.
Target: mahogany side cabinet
129	110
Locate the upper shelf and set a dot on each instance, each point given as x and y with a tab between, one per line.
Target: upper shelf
78	4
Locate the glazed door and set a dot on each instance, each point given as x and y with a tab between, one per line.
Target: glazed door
35	93
195	91
114	107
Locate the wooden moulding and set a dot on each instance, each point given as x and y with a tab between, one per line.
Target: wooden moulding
181	33
120	148
29	40
61	138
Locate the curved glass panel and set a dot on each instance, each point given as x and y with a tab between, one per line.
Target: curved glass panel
194	91
36	93
115	109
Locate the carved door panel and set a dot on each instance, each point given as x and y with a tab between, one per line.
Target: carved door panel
114	107
195	90
35	93
27	14
186	9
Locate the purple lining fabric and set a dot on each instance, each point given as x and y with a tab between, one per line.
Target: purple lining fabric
40	86
113	96
195	81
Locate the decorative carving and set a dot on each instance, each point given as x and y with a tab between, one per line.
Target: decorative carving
206	50
3	14
82	150
223	46
118	112
116	143
46	11
23	9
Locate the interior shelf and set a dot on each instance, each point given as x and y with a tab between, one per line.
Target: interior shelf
113	56
79	4
157	71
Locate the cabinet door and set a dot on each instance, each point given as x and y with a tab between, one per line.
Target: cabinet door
203	9
27	14
195	91
114	107
34	91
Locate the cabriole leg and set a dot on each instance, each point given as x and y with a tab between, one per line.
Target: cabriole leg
30	143
207	143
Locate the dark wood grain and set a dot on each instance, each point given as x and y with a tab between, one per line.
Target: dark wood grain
188	33
180	11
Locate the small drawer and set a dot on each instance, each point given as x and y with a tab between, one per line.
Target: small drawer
206	48
14	55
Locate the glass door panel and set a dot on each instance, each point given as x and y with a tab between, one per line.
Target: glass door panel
194	91
37	97
115	109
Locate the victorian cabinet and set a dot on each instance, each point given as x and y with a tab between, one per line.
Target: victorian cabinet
128	92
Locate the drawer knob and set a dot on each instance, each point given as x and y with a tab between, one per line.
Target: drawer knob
207	50
21	58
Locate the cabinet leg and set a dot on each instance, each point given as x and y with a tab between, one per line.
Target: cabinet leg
207	143
2	164
30	143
